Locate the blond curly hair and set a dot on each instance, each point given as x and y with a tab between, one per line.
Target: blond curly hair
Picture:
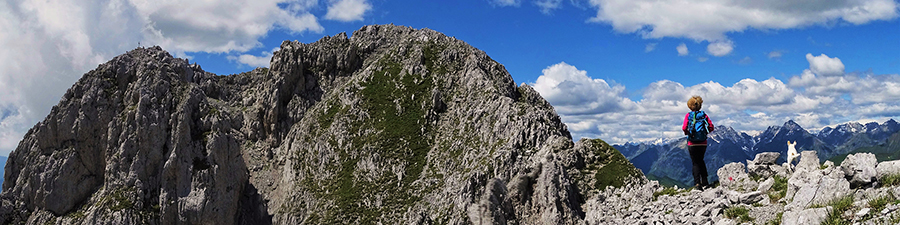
695	103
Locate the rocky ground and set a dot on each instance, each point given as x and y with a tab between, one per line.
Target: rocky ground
859	191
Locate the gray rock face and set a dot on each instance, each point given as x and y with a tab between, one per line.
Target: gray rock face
820	192
809	160
392	126
806	216
751	197
766	158
734	176
860	168
135	134
887	168
766	184
763	165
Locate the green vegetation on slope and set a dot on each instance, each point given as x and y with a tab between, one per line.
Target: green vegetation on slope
668	191
394	131
779	189
666	181
890	180
616	168
838	207
888	151
740	213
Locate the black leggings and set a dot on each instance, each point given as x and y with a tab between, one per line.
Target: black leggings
699	166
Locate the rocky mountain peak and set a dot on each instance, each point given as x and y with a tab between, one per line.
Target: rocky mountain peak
726	132
391	125
790	125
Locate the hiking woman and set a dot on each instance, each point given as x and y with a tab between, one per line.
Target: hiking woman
697	125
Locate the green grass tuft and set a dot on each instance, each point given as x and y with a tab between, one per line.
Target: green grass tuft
890	180
740	213
778	190
879	203
839	206
118	200
777	219
327	118
668	191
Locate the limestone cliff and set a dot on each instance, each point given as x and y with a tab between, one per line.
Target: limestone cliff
394	125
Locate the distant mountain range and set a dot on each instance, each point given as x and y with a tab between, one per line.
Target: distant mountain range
669	162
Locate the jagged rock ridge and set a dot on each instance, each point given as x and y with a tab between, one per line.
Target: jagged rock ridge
394	125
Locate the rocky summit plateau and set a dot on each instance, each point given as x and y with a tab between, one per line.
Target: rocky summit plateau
392	125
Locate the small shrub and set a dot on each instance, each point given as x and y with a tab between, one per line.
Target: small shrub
740	213
839	206
879	203
778	190
777	219
667	191
755	177
890	180
77	215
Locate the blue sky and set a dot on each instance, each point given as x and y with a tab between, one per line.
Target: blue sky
603	64
527	41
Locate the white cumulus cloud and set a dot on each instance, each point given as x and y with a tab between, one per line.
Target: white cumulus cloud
219	26
547	6
48	45
774	54
824	65
261	60
711	20
748	105
650	47
720	48
347	10
573	92
682	49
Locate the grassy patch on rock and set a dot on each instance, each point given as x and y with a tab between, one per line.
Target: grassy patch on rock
616	168
838	207
778	190
890	180
393	130
668	191
879	203
739	213
776	220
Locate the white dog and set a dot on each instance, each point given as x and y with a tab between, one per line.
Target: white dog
791	154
